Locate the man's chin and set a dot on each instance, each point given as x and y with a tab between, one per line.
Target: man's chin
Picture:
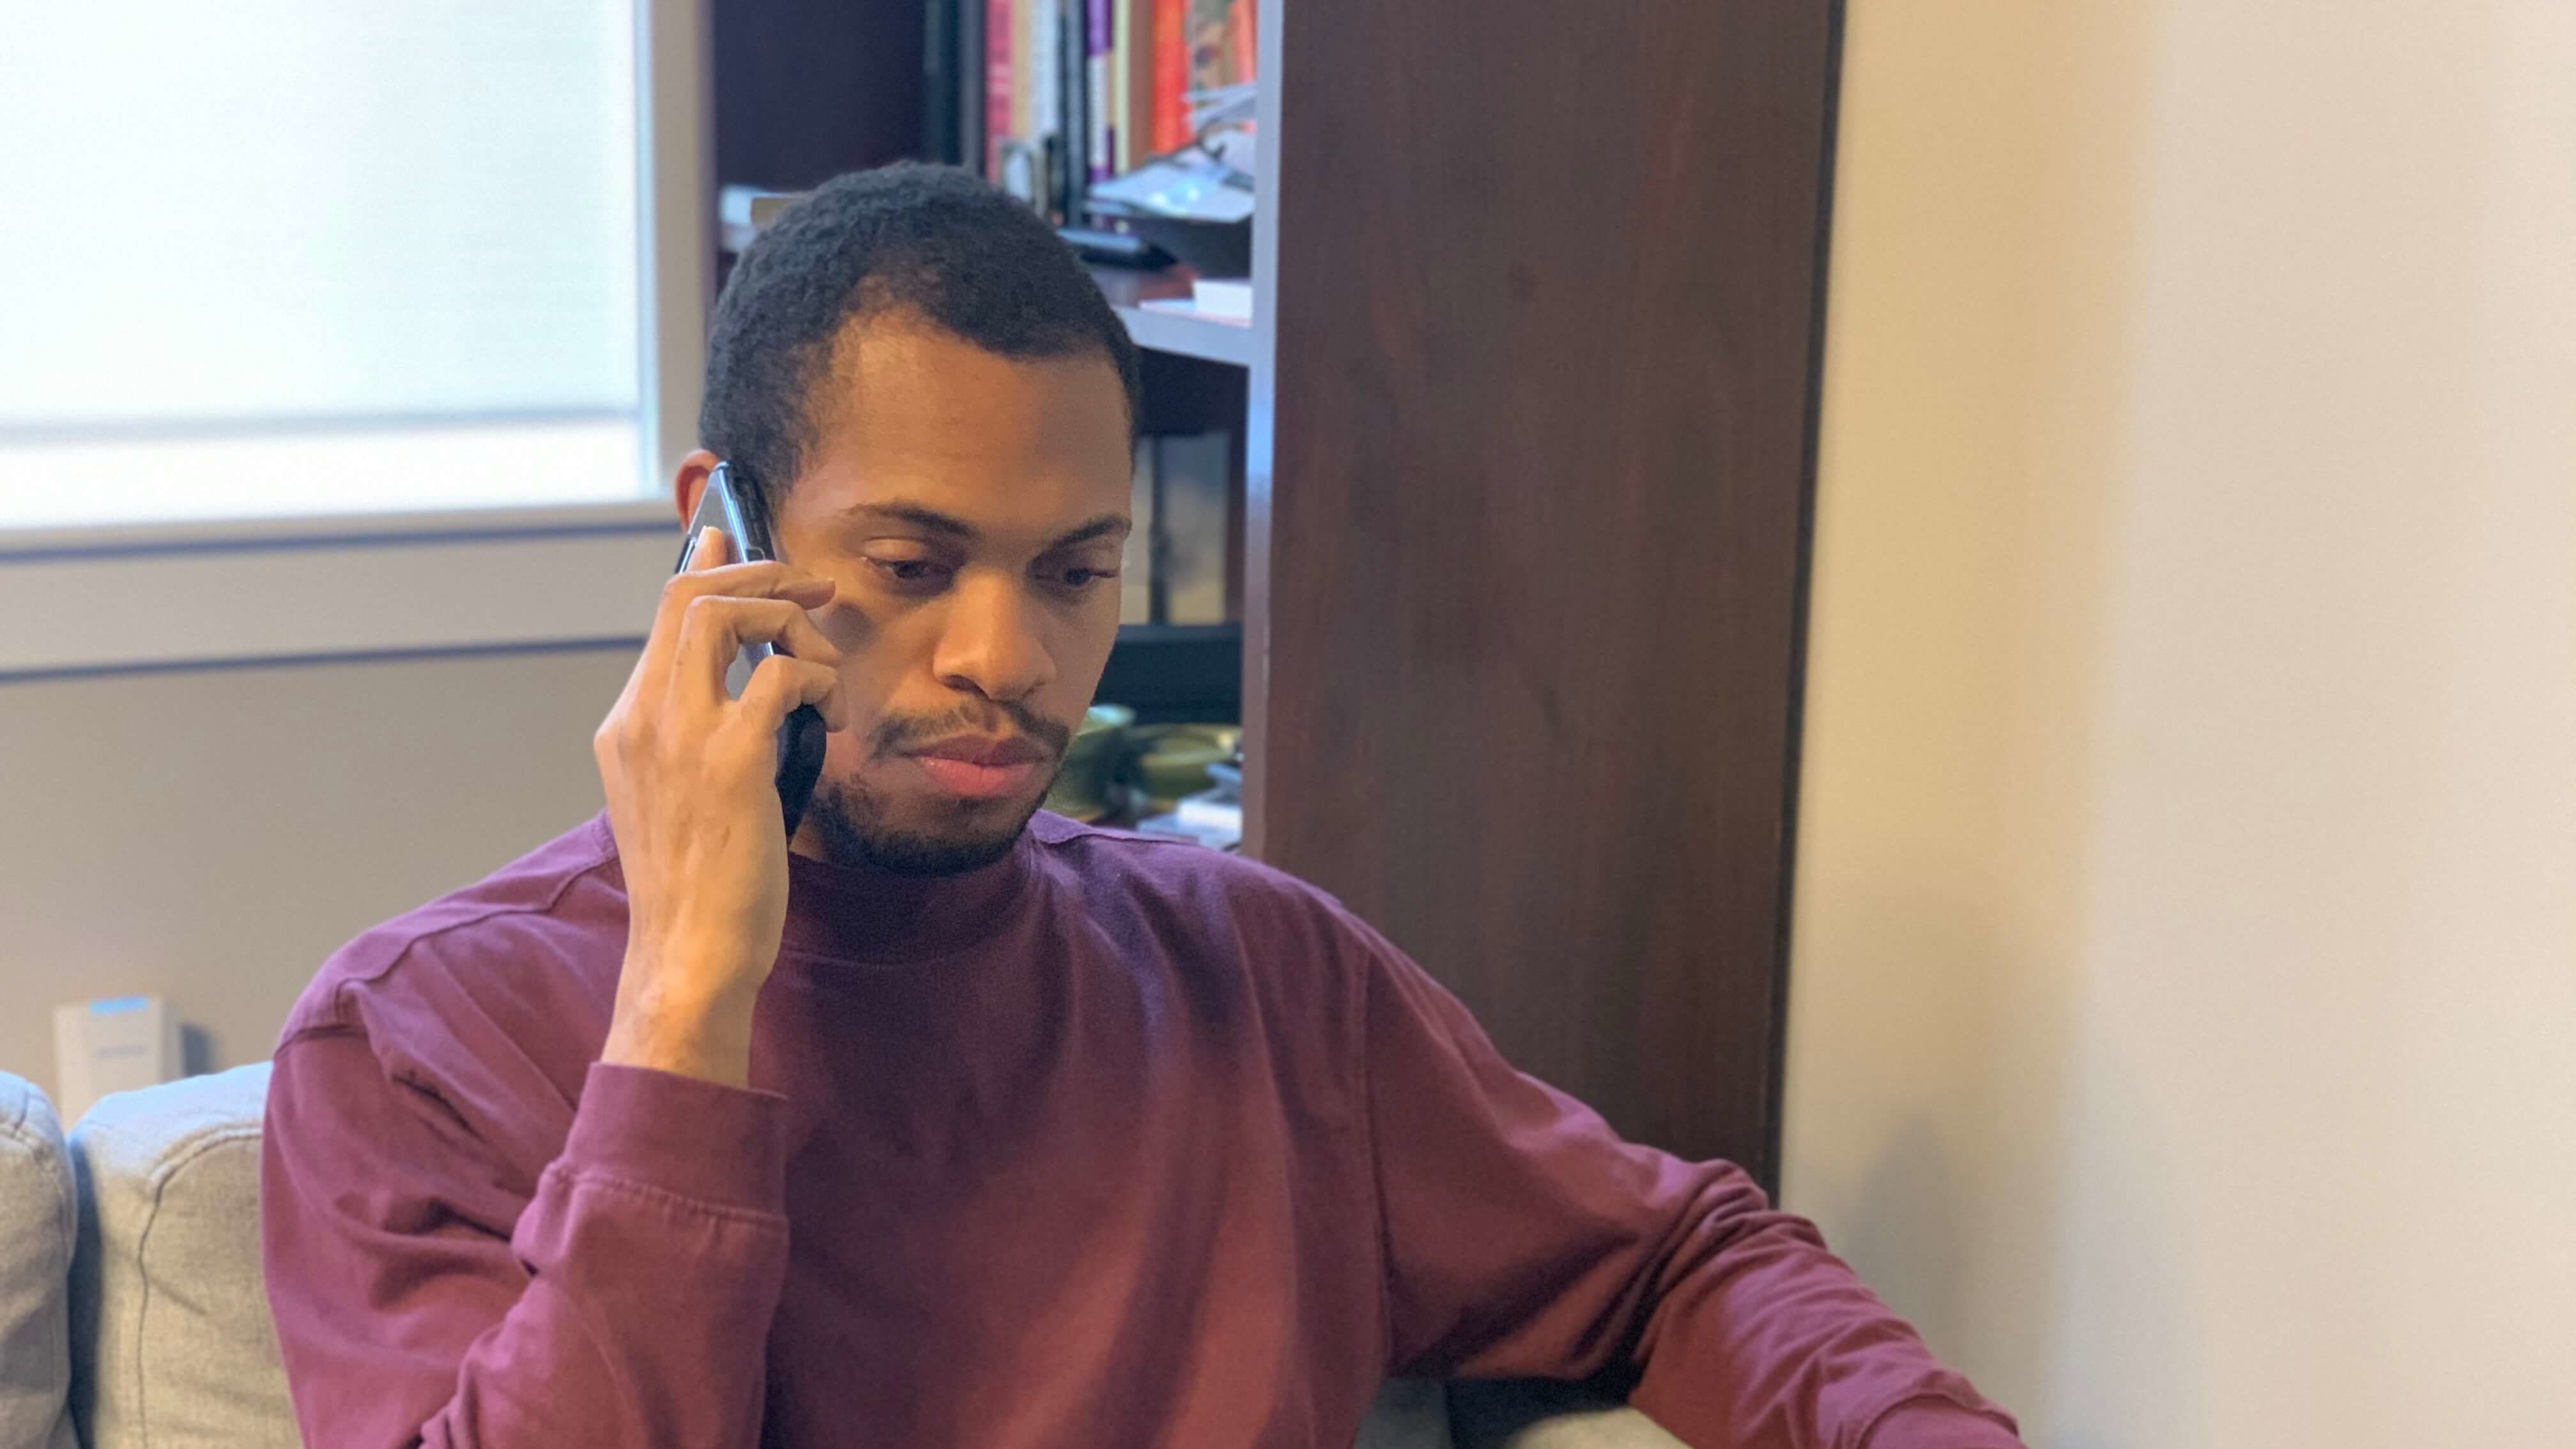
863	830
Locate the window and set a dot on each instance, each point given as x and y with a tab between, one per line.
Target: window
287	266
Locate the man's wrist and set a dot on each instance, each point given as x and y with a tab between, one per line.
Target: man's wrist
693	1034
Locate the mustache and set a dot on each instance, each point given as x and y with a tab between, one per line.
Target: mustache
896	733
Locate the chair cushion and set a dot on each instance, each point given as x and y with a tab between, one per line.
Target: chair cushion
1533	1414
166	1291
36	1228
1408	1414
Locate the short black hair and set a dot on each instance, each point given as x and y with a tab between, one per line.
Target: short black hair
930	241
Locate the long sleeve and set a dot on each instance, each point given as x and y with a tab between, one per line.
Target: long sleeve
423	1298
1524	1239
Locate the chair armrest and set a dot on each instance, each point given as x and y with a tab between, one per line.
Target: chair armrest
37	1228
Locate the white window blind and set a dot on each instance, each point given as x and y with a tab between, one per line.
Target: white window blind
294	257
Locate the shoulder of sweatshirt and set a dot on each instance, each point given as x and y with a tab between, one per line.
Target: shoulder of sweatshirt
520	947
1233	926
1110	867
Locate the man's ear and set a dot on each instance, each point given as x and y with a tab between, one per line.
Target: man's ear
691	481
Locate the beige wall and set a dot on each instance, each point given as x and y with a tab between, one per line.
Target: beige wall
2183	1020
212	835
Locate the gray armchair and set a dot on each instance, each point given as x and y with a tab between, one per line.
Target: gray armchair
131	1305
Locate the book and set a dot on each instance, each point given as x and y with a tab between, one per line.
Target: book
1216	57
1001	38
1170	826
1023	160
1209	811
1170	40
1068	127
1193	307
1053	103
1136	51
1243	37
1100	59
1229	301
1041	27
1123	46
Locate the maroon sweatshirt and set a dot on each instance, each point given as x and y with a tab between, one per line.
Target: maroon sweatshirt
1116	1143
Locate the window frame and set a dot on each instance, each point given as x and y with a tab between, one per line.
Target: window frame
122	598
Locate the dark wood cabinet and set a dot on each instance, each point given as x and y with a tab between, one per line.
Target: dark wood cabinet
1541	287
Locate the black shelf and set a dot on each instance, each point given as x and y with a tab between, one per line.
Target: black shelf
1177	673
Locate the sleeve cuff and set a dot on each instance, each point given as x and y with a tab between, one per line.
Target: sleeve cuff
1939	1424
710	1143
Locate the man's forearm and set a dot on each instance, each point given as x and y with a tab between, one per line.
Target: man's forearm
630	1307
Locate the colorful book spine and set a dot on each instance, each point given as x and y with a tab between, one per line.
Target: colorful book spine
1207	44
1001	38
1069	121
1136	39
1243	33
1123	47
1171	75
1033	80
1100	58
1221	37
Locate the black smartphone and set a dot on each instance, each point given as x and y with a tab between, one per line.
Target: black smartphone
737	510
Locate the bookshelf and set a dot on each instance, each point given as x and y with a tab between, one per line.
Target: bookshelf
1228	343
1527	416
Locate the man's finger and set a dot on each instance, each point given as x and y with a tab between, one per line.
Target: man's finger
781	683
716	627
712	548
766	579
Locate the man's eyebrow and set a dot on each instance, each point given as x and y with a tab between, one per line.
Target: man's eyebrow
934	521
1104	526
916	515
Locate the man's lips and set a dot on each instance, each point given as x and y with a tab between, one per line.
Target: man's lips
978	767
982	750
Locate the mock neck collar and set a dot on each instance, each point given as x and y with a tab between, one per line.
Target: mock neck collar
845	914
840	914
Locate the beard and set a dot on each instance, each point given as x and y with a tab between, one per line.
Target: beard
856	833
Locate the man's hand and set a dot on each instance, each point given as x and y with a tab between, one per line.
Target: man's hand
693	800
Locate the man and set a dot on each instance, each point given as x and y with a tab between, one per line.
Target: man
950	1122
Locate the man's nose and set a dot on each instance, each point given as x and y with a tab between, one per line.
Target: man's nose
989	643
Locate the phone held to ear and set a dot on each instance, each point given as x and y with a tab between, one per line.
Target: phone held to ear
738	511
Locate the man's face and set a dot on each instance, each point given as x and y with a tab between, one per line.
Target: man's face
972	509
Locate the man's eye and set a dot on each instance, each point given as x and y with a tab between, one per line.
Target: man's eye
911	570
1085	578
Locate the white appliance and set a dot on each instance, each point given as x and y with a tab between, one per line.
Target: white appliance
113	1044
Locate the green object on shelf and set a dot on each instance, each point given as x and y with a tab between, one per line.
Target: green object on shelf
1116	769
1175	759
